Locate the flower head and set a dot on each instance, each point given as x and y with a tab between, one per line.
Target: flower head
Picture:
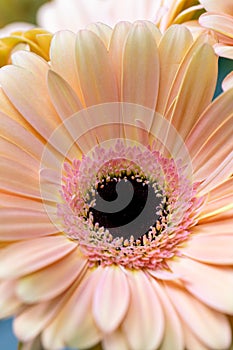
219	18
116	188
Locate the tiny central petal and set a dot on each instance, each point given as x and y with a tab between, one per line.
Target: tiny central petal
126	205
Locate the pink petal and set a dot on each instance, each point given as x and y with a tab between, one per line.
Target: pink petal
144	322
24	257
52	280
112	293
140	52
213	285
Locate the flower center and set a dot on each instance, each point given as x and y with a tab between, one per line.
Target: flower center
127	205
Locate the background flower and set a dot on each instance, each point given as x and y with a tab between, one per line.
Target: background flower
117	74
219	18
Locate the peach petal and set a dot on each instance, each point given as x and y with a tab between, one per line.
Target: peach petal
224	51
25	257
140	52
96	124
154	30
28	95
196	48
145	311
163	274
14	153
9	303
214	150
215	115
9	110
213	285
209	326
74	325
49	282
112	293
10	200
103	31
63	96
172	49
62	53
225	6
210	248
50	185
224	215
191	341
173	333
216	227
227	83
31	62
192	98
96	73
221	23
20	223
28	324
18	178
223	202
219	175
115	341
116	48
20	135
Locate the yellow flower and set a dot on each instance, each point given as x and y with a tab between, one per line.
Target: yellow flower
116	192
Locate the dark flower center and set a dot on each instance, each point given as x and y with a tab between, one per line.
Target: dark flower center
127	205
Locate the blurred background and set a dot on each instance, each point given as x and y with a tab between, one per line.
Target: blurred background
19	11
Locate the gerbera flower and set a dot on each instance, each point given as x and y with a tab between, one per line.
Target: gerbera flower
219	18
116	192
74	15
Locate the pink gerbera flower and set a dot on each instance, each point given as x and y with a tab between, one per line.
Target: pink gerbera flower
219	18
116	192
